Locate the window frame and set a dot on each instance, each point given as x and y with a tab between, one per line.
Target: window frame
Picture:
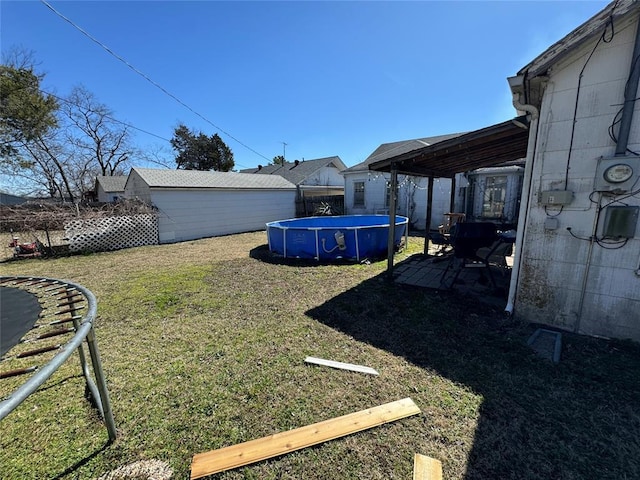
358	194
492	184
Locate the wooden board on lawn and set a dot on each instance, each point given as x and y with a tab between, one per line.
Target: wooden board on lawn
284	442
426	468
341	365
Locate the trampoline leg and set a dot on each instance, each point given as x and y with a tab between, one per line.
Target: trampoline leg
90	385
102	385
95	394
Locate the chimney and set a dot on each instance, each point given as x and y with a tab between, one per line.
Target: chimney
259	167
297	162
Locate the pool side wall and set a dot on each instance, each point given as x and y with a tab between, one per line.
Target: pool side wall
365	236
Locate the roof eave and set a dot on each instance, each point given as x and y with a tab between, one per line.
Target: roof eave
485	147
589	29
183	187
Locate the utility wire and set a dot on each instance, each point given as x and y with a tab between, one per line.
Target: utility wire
143	75
603	38
113	119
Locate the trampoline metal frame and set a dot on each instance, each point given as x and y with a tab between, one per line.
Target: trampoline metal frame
84	330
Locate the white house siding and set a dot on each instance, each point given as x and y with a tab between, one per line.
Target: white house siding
412	197
187	214
110	188
108	197
325	176
556	284
136	187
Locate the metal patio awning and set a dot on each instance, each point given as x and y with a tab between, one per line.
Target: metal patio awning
486	147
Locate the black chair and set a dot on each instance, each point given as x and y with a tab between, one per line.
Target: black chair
466	239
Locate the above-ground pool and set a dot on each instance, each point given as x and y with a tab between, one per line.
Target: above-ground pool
351	237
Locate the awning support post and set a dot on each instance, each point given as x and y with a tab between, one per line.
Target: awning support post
428	220
452	200
393	201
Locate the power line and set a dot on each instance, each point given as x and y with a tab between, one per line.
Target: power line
143	75
113	119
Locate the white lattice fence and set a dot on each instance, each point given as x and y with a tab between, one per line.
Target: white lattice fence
112	233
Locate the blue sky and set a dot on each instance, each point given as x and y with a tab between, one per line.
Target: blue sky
327	78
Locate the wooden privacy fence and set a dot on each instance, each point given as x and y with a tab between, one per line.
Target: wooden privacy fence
320	205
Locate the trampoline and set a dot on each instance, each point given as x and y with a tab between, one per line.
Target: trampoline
42	322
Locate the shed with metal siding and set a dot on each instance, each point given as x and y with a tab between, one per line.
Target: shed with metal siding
110	188
194	204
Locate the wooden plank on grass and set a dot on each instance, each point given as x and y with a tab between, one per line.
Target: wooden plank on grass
340	365
426	468
284	442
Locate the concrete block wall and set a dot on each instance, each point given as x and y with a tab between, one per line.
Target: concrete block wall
564	281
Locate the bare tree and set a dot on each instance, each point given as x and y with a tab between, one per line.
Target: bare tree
56	145
47	162
102	144
158	155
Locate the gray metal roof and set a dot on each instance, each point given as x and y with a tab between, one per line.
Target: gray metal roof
298	172
489	146
114	183
388	150
8	199
157	178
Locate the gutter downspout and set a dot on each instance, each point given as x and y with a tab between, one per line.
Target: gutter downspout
526	192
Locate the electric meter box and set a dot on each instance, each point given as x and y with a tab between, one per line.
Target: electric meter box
617	175
556	197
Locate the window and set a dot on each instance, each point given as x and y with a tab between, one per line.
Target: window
358	194
387	197
495	192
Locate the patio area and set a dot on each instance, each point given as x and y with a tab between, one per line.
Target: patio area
437	272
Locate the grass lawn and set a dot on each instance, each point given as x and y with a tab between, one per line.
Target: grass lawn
203	346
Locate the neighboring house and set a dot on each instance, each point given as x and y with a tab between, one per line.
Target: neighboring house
109	189
367	192
195	204
322	176
579	263
480	194
8	199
